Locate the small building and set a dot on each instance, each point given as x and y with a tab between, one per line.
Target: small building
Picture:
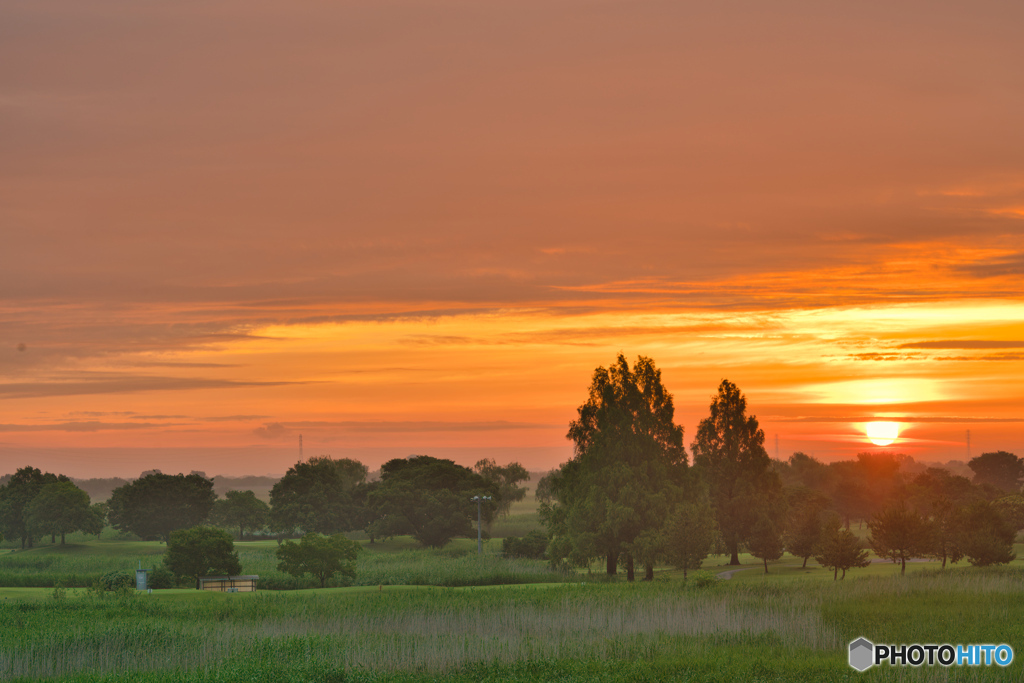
228	584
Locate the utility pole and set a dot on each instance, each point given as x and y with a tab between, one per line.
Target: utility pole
300	446
479	517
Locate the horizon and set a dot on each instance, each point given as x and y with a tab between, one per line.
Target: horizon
397	228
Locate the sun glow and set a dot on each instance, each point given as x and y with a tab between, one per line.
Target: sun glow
882	433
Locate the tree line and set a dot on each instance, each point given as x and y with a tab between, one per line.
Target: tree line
630	495
422	496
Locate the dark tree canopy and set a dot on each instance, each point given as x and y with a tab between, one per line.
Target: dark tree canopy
988	537
59	508
241	510
321	556
429	499
839	549
1000	469
201	551
690	534
157	504
899	534
23	486
729	449
506	478
628	470
317	496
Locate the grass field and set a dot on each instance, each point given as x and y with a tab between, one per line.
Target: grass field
665	630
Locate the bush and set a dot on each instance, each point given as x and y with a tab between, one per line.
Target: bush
704	579
531	546
161	577
111	581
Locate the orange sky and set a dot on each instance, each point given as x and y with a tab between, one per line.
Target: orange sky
407	227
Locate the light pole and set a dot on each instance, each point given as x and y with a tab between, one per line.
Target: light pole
479	540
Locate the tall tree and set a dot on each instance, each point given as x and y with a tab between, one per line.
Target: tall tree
729	447
506	478
155	505
321	556
900	534
999	469
241	510
23	486
59	508
201	551
317	496
429	499
629	468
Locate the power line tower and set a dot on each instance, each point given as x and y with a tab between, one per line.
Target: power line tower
968	444
776	446
300	446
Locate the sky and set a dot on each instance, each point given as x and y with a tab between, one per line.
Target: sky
398	227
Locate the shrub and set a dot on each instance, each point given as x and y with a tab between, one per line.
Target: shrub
161	577
111	581
531	546
704	579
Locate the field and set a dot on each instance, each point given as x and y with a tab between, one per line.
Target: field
420	615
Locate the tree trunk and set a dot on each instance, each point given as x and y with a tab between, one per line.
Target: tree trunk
629	568
62	538
903	566
684	572
734	546
648	572
835	574
612	566
844	574
765	565
805	564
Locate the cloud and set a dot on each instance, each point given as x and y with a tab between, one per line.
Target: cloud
964	344
90	426
121	386
272	430
386	426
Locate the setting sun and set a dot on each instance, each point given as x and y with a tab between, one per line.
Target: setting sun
882	433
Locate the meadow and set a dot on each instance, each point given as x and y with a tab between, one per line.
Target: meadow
707	630
416	614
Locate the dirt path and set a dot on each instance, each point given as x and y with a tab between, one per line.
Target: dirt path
728	574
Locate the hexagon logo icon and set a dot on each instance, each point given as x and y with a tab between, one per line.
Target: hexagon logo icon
862	654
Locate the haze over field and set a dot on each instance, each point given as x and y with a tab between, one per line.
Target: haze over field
398	227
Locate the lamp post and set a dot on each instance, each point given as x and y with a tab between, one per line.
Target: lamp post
479	540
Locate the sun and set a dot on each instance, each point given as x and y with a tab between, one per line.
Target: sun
882	433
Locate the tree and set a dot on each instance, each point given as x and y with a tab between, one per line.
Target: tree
96	522
988	538
690	534
803	533
321	556
155	505
899	534
530	546
241	510
505	478
58	509
317	496
839	549
629	468
1000	469
729	447
1012	510
15	496
765	541
201	551
429	499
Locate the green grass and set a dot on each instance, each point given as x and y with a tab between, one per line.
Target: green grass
665	630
